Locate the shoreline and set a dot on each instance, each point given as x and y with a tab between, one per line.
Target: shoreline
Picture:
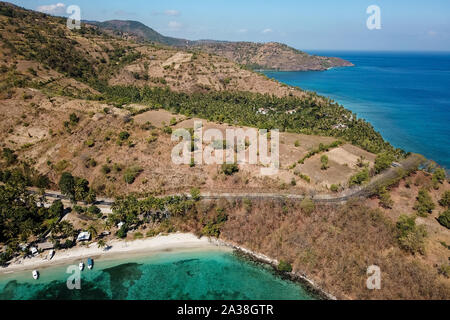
306	282
173	242
119	249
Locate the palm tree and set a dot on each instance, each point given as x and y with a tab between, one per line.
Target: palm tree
92	231
101	244
67	229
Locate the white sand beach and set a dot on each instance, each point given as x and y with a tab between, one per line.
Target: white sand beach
118	248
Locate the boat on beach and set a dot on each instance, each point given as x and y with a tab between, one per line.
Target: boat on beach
81	266
35	274
51	254
90	263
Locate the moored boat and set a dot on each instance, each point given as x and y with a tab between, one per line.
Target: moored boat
81	266
35	274
90	263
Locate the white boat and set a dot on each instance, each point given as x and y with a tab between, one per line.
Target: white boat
35	274
81	266
51	254
90	264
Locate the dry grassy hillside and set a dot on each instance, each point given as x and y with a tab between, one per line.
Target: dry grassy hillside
272	56
85	102
192	72
49	72
35	125
117	61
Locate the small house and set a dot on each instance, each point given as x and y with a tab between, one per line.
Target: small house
84	236
34	251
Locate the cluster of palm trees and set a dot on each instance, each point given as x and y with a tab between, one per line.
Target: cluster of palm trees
313	114
132	212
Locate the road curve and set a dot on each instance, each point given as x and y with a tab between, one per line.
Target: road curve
408	164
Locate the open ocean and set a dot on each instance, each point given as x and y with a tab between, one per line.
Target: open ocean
196	275
405	96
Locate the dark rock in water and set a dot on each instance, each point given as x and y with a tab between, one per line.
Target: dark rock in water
121	278
57	290
8	292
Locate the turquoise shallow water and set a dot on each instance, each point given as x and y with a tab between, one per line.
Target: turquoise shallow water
207	275
405	96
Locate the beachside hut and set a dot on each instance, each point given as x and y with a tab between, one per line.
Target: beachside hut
34	251
84	236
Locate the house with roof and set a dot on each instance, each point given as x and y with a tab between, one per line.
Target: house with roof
84	236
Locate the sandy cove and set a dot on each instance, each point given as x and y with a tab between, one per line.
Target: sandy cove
172	242
119	248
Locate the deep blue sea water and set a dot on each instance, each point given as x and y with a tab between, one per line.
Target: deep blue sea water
405	96
197	275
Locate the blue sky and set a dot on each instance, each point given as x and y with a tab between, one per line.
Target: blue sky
310	25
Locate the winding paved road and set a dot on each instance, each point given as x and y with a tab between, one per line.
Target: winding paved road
364	191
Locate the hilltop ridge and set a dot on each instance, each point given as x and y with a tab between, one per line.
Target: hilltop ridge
271	55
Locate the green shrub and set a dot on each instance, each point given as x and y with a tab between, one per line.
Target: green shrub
195	194
334	188
32	71
410	236
424	203
122	233
131	174
439	175
324	161
167	130
105	169
303	177
117	168
56	210
94	210
61	165
229	169
444	218
9	156
284	266
90	163
248	205
214	226
383	161
359	178
385	199
67	185
445	200
90	143
78	209
124	135
74	119
308	206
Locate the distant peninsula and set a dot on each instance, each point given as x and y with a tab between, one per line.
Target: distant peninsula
267	56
